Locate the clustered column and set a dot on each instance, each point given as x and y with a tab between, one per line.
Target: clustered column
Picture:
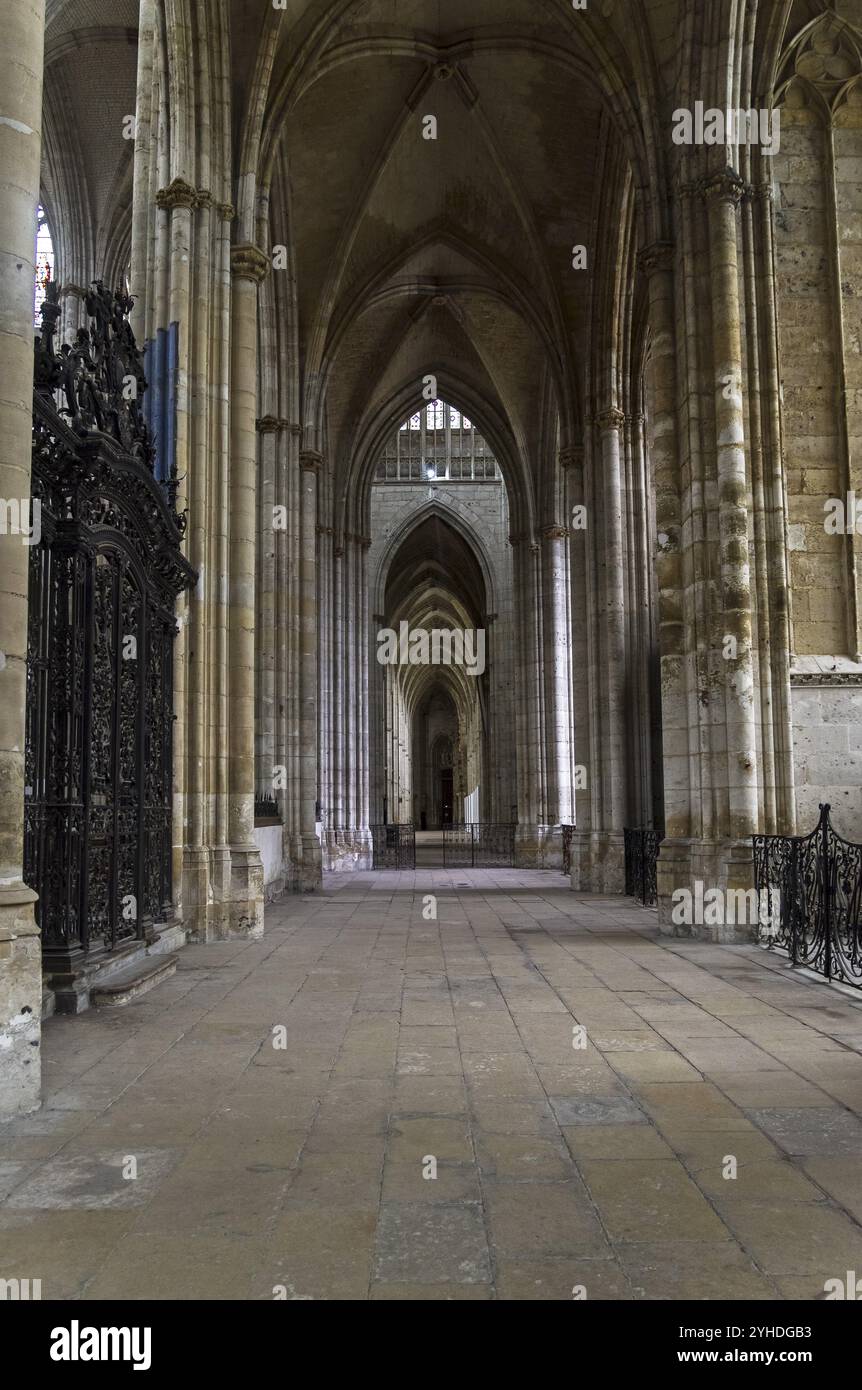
21	61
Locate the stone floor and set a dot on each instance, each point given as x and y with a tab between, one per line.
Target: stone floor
299	1171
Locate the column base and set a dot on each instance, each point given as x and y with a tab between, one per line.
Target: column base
347	851
245	908
310	878
196	891
706	890
598	861
20	1003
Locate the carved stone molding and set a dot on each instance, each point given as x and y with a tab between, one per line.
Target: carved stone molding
178	194
572	456
827	678
657	258
268	424
612	419
554	533
821	65
76	291
726	186
310	460
204	198
248	262
226	211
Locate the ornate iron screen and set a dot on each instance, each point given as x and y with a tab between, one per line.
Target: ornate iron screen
641	852
568	833
810	894
394	846
104	578
479	846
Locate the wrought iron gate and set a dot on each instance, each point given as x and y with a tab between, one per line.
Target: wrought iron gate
394	846
104	578
641	850
478	846
810	894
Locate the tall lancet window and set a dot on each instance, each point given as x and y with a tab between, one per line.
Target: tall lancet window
44	259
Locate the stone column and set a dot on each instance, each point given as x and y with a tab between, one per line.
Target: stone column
268	427
557	661
364	696
657	264
611	553
723	195
177	201
572	462
311	875
21	59
249	265
530	767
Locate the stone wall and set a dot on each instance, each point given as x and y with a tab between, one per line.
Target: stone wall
827	743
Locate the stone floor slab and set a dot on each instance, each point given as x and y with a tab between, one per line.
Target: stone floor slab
562	1171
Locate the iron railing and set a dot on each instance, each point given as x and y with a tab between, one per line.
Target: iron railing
568	832
641	851
479	846
811	889
394	846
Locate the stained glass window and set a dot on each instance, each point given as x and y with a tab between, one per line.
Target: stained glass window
44	259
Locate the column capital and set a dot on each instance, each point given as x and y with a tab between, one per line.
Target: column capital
726	186
226	211
310	460
612	419
69	289
248	262
657	257
178	194
268	424
203	198
554	533
572	456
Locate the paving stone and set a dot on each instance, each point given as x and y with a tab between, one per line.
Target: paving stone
596	1110
563	1220
694	1270
299	1174
561	1280
424	1244
809	1131
650	1200
95	1180
517	1156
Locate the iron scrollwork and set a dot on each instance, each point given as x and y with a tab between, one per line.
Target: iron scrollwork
642	846
477	845
103	584
394	846
813	887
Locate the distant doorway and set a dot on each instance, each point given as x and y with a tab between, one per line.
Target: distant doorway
446	796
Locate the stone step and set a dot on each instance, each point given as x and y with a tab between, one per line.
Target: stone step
130	984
